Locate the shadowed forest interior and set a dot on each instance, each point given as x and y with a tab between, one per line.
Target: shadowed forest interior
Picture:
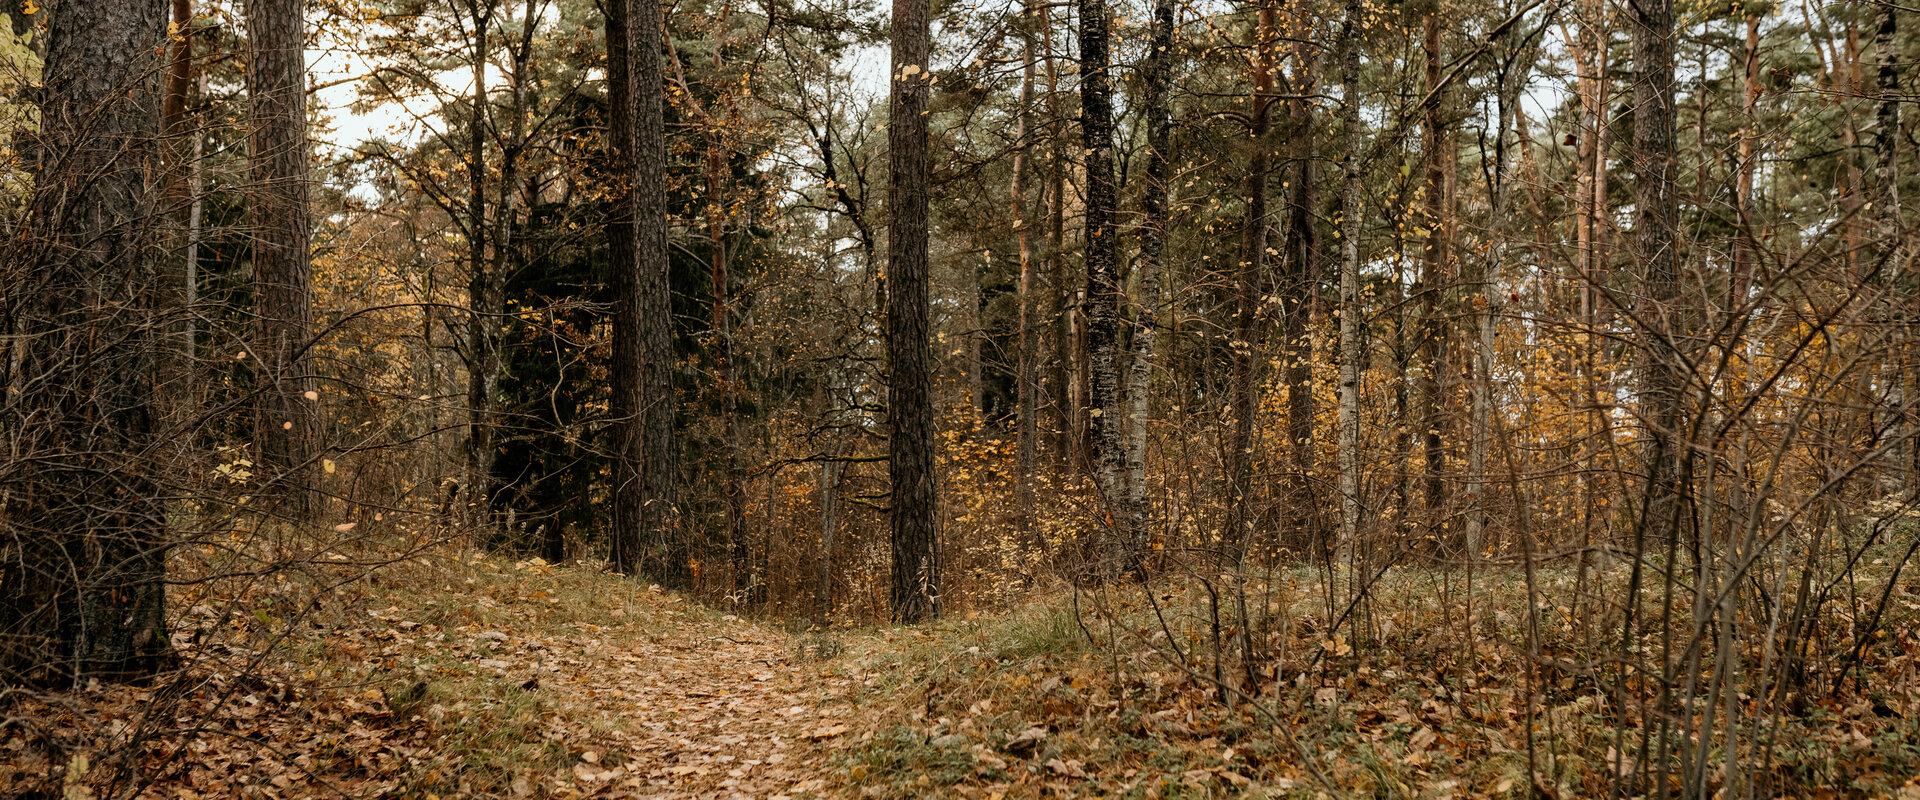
1001	398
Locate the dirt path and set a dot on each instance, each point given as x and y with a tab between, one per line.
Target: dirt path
710	709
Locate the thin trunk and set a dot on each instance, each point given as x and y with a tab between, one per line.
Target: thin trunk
485	297
1066	385
1026	386
182	153
1297	301
747	585
915	591
1435	277
285	422
1154	206
1244	386
1352	360
1104	292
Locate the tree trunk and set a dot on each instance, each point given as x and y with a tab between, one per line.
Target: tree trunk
485	295
1104	293
749	587
1352	360
1244	382
182	151
285	422
1435	279
1154	202
1026	388
916	567
646	528
81	571
1066	383
1297	301
1654	245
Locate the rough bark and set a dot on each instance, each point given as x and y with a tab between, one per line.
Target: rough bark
916	568
1104	292
285	422
485	293
646	524
82	560
1654	250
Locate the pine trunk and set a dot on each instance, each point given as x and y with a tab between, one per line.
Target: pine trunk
285	422
81	576
916	569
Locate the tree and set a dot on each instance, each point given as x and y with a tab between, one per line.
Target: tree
84	558
916	567
645	537
1026	381
1352	313
1104	292
285	425
1154	201
1244	388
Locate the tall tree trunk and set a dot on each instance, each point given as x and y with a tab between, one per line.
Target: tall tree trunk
83	559
1654	248
1244	381
646	534
1104	292
1435	275
1154	209
285	423
1026	381
1352	360
916	566
748	586
485	295
182	164
1662	374
1066	354
1301	286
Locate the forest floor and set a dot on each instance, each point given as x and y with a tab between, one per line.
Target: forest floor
450	676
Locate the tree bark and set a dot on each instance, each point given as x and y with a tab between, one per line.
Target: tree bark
1352	360
83	559
646	525
916	568
1154	209
1298	298
1654	248
485	294
1244	381
285	423
1104	293
1435	277
1068	442
1026	381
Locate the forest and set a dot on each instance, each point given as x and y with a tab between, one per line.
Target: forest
959	398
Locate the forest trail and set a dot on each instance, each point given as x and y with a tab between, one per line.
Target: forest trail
719	708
